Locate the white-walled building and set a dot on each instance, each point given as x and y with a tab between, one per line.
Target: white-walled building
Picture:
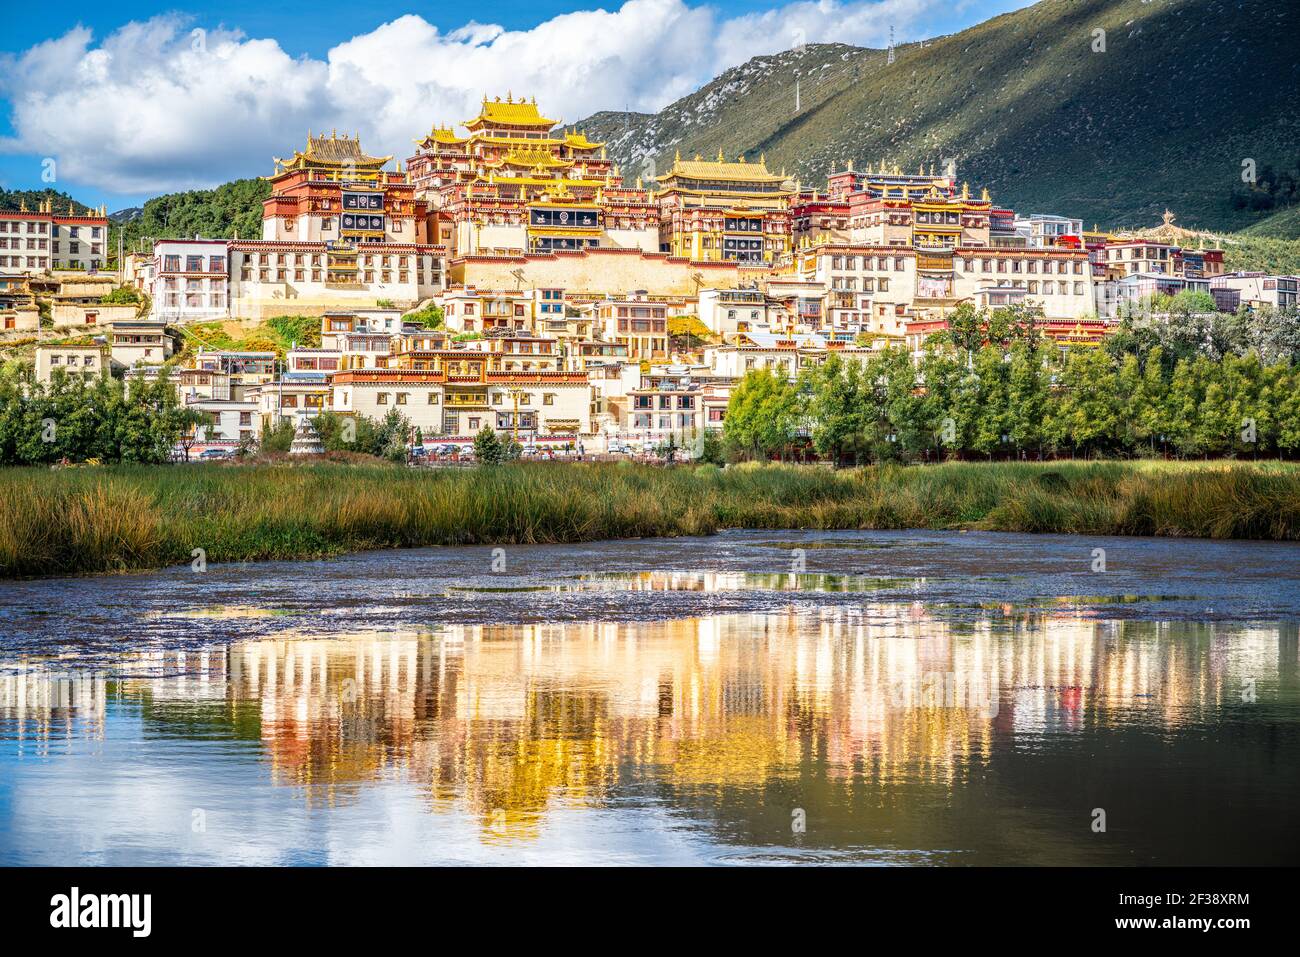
243	370
469	309
289	398
269	278
1261	289
638	321
1043	230
189	280
728	311
447	404
18	310
883	289
140	341
43	240
230	421
83	360
362	341
784	356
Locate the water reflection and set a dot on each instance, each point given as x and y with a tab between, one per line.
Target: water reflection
661	580
901	736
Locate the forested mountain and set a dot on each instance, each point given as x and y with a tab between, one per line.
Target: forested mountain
1166	107
33	198
231	209
1162	109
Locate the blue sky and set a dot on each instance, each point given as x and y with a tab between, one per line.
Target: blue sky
116	95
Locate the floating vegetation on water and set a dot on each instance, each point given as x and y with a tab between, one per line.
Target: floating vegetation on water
221	611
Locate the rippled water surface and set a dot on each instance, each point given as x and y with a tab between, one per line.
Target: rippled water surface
885	698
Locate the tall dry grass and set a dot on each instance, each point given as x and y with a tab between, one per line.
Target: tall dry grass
133	517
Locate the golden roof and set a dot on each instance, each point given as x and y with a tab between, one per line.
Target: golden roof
511	113
719	169
442	134
534	158
580	141
332	150
495	179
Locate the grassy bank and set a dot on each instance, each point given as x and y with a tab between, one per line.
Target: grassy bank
100	520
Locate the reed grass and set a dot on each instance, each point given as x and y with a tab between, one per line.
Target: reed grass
78	521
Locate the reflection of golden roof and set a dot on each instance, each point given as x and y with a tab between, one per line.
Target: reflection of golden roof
507	736
332	150
510	113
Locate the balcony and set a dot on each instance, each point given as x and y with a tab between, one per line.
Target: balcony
466	400
934	260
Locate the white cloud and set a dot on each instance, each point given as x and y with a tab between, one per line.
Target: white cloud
161	105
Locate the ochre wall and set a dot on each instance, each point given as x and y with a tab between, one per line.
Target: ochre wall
612	272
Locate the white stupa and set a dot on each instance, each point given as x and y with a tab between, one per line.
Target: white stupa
306	441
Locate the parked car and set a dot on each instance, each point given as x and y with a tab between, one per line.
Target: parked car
208	455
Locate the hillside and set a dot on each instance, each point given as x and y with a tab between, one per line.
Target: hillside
1183	93
221	213
32	198
124	216
742	110
1284	223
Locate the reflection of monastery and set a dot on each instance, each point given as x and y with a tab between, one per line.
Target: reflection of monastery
517	717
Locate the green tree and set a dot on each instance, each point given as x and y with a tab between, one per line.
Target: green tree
992	415
905	405
430	317
1083	416
836	406
1183	403
123	296
1028	393
77	419
763	414
279	438
712	448
1214	420
947	406
966	329
487	447
1286	386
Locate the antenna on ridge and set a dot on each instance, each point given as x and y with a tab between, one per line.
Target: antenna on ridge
889	56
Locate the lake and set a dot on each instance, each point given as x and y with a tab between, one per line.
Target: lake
750	697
